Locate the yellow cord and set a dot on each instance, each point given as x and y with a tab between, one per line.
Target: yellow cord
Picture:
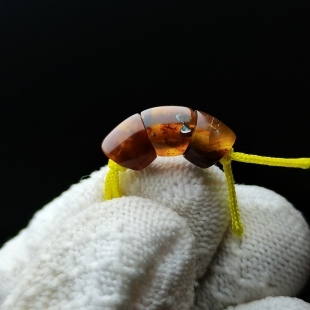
303	163
111	186
236	223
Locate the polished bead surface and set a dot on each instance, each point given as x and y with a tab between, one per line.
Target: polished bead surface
210	142
169	128
129	145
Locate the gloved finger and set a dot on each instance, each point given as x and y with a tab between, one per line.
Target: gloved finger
127	253
271	259
274	303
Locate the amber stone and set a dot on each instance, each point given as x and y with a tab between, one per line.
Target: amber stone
210	142
169	128
128	144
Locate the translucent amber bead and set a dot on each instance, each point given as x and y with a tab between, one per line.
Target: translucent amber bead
129	145
169	128
168	131
210	142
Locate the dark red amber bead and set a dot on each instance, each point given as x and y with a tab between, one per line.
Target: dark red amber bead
210	142
128	144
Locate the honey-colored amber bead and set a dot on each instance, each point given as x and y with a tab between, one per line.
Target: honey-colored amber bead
169	128
211	141
129	145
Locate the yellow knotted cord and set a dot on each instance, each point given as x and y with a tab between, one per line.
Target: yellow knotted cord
111	185
236	222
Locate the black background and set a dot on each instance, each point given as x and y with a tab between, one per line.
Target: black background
72	70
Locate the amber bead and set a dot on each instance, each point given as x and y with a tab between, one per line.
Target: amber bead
169	128
129	145
210	142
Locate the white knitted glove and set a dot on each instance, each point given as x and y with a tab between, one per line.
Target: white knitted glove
167	244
